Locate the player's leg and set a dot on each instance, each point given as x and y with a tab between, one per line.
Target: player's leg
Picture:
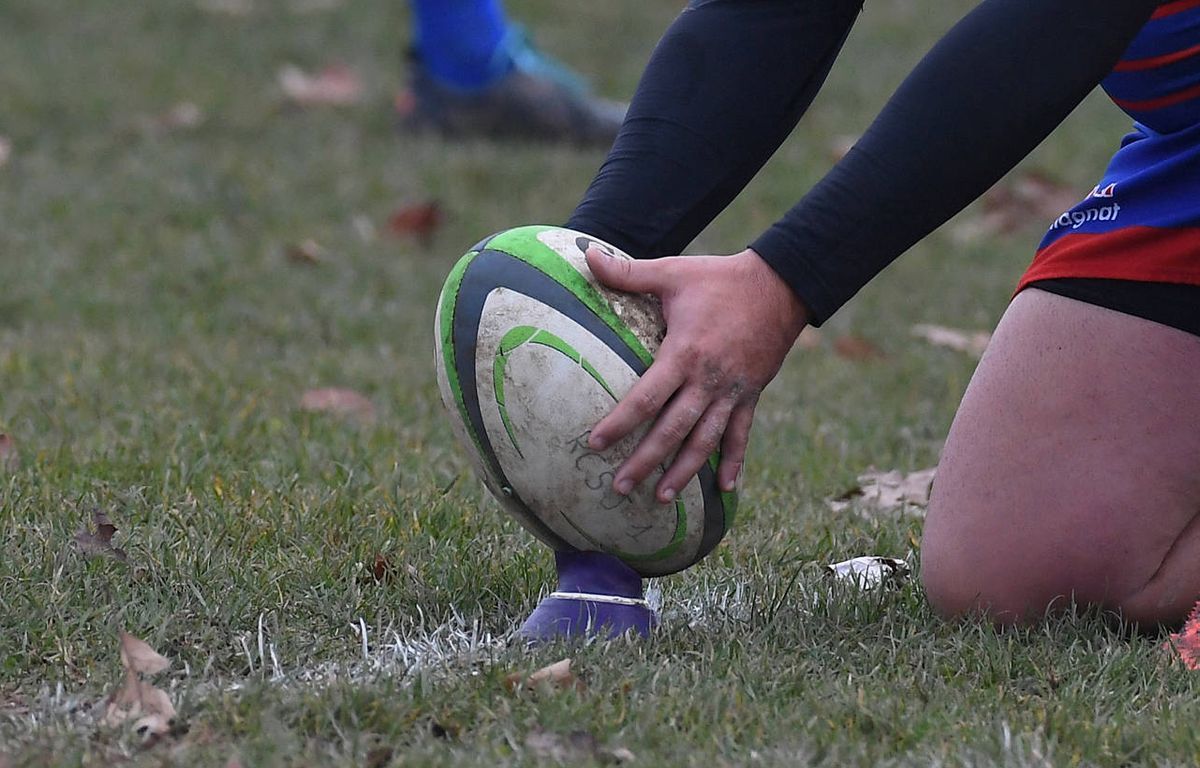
1072	469
474	73
457	40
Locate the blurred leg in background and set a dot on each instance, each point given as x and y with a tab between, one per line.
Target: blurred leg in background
473	73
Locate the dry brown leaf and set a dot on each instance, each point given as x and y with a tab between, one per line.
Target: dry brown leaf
810	338
382	570
1030	198
5	150
150	708
378	757
157	723
446	728
569	748
854	347
419	220
1043	195
573	747
9	457
557	675
307	252
1186	642
339	401
99	544
138	656
885	491
335	85
971	342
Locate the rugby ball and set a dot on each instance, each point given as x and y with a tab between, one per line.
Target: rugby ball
531	352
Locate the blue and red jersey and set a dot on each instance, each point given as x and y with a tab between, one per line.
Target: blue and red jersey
1142	221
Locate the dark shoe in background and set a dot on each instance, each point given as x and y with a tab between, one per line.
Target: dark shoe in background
537	100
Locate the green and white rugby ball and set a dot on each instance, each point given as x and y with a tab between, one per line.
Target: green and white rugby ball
531	353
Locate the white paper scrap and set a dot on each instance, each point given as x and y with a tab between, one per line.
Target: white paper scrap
869	571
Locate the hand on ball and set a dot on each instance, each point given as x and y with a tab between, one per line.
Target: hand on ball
730	323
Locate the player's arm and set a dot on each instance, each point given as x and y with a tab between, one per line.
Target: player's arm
981	100
725	86
978	103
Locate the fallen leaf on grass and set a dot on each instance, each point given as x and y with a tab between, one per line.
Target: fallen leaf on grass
377	757
882	491
9	458
382	570
338	401
1032	197
335	85
307	252
573	747
5	150
150	708
445	728
972	342
419	220
810	338
1186	642
557	675
99	544
854	347
869	571
140	657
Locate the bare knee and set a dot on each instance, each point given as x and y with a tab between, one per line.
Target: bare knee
966	572
955	591
1011	580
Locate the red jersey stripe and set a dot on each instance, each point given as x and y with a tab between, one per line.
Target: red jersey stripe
1151	254
1169	100
1170	9
1153	62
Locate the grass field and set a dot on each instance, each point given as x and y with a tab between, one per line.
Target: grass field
156	340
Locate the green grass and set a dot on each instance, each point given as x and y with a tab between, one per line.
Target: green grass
155	341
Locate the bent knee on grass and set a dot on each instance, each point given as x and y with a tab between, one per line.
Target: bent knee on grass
1014	579
1071	474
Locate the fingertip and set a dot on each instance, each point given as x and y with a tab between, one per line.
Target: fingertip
597	257
731	477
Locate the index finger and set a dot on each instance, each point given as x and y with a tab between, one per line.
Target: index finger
641	404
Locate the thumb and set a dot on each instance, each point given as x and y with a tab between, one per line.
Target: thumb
624	274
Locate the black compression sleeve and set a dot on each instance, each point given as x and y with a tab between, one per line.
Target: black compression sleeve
982	99
725	86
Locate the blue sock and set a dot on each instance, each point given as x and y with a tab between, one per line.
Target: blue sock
458	41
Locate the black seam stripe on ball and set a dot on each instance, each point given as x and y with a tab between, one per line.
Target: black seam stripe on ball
495	269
